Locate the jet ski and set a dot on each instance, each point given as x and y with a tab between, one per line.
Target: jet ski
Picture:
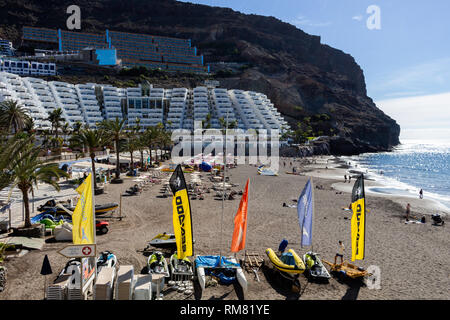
99	208
314	266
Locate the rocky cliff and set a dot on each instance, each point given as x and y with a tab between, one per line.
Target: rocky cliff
299	74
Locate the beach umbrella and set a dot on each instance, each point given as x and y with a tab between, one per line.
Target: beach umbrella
46	269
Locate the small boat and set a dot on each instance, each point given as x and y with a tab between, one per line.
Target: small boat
314	266
288	262
240	276
227	271
201	276
157	264
180	269
100	209
347	269
163	241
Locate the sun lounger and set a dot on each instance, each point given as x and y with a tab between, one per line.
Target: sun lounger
58	290
104	285
142	287
124	283
63	232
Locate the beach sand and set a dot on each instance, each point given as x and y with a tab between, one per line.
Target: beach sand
413	258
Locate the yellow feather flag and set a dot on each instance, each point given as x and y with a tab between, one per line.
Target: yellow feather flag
181	217
83	230
358	222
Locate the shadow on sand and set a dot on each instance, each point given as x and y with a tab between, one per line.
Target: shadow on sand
280	284
354	285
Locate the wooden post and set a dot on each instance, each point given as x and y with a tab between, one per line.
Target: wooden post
120	207
10	222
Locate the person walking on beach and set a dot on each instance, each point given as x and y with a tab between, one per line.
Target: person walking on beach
421	194
408	211
345	177
349	178
340	252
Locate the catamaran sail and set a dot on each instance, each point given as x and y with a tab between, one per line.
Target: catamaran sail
182	223
358	222
240	223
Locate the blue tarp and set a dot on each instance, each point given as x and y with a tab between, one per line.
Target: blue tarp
49	215
213	262
205	166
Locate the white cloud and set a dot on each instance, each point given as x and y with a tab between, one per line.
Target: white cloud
300	21
432	75
422	116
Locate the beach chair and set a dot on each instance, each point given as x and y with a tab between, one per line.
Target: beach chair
103	287
58	290
124	283
143	287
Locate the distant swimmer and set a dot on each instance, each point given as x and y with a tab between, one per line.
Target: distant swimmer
421	194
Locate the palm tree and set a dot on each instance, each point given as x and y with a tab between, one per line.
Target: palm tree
140	141
76	127
92	140
65	130
132	145
114	129
166	140
150	137
26	170
55	117
12	116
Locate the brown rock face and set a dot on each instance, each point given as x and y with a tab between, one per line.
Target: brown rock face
291	67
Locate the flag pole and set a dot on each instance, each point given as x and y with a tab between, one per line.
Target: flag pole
223	190
313	213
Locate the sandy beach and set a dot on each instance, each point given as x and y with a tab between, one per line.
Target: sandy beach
413	258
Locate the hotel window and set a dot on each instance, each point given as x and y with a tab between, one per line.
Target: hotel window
138	104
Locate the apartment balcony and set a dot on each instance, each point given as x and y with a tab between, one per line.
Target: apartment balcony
72	109
177	100
111	99
113	108
75	118
177	104
133	115
96	118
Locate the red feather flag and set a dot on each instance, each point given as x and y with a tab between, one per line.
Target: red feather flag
240	223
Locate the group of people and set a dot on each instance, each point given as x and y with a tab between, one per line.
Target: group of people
349	178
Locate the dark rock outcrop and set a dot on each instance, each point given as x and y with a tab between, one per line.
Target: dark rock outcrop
290	66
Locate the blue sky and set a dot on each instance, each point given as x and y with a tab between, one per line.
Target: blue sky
406	61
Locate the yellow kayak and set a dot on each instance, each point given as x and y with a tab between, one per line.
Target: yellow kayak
299	266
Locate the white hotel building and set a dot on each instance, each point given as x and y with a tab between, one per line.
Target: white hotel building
175	108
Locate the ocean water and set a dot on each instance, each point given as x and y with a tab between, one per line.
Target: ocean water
412	166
